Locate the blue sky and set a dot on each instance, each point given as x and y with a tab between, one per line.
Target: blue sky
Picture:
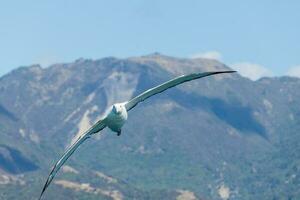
246	34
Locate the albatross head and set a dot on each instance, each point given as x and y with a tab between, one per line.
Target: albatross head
117	108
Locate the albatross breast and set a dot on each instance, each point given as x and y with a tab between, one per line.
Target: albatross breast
117	117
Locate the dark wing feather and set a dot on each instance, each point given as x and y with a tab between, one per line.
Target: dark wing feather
169	84
94	129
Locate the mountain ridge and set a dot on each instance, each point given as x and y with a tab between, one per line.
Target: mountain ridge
228	131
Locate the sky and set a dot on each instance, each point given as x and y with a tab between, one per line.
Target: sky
258	38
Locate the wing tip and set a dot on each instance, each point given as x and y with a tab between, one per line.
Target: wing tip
217	72
221	72
41	195
229	71
44	189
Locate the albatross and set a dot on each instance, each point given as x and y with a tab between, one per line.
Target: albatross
117	116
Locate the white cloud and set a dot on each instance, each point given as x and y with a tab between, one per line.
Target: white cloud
46	60
294	71
247	69
209	55
251	70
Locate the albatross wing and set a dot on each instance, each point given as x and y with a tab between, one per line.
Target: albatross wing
94	129
169	84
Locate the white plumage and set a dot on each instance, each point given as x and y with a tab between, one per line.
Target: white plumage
116	118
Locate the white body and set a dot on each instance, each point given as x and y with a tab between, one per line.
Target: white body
117	117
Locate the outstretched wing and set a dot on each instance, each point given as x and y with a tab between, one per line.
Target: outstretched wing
94	129
169	84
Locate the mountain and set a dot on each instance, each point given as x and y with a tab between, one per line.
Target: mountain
220	137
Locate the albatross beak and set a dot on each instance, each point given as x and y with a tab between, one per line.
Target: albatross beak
116	110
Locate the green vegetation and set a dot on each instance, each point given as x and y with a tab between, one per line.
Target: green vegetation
220	131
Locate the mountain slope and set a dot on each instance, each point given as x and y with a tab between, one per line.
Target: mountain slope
213	138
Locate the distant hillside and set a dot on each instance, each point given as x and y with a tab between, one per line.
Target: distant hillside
221	137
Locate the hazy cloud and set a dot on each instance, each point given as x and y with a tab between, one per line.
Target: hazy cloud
251	70
247	69
46	60
294	71
209	55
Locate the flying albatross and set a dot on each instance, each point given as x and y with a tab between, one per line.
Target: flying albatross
118	114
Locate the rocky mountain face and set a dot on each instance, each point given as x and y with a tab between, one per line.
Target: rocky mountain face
221	137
